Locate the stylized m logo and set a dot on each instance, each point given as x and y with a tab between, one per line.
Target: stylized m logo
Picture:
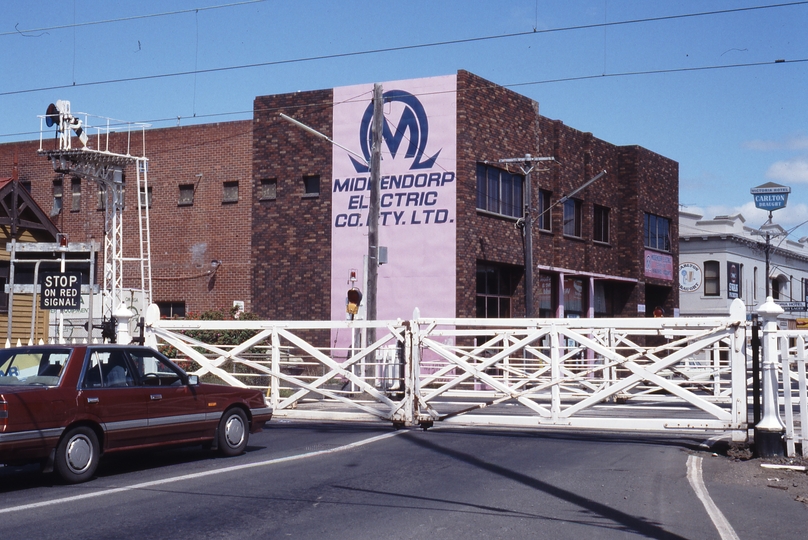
412	130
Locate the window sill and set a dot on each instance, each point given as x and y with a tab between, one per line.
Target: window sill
667	252
497	215
599	243
310	196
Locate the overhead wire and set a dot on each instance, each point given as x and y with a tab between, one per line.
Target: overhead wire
396	48
25	31
410	47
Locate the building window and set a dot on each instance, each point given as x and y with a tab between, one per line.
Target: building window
600	232
572	218
499	191
547	299
4	272
186	195
230	192
75	195
102	197
311	185
57	198
712	278
776	288
657	232
545	216
604	299
575	297
171	310
146	197
754	283
495	285
269	189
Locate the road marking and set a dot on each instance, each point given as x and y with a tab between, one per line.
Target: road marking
199	474
725	530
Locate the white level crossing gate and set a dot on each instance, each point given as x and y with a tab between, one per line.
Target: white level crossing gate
621	374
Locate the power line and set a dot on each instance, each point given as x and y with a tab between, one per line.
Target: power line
25	31
394	49
511	85
658	72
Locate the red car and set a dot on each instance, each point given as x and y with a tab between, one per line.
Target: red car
66	405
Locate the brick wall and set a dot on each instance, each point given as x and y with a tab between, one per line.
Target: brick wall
291	237
184	239
496	123
493	123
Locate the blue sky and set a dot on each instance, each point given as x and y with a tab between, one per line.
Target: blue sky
702	88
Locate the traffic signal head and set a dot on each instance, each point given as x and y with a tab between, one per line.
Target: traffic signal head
109	329
354	299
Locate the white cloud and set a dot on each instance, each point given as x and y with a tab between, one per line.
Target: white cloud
761	146
799	142
793	170
796	142
794	215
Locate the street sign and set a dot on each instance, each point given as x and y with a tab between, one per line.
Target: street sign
60	291
792	306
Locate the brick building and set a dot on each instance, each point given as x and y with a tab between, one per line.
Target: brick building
199	200
610	251
267	214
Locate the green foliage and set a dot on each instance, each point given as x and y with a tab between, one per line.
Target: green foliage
216	337
222	337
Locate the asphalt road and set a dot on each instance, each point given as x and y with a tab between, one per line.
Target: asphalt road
306	480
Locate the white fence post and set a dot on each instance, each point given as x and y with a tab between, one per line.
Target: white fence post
123	314
769	431
740	408
803	398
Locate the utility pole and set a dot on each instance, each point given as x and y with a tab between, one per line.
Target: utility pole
375	195
527	164
373	210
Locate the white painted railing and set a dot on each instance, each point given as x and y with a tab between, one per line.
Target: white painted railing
792	393
639	374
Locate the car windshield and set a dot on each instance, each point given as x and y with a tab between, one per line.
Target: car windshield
32	367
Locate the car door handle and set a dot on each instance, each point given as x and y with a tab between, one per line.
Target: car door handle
92	400
156	397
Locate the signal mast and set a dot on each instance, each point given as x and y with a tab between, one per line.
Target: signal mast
106	168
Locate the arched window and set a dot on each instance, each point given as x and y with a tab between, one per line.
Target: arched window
712	278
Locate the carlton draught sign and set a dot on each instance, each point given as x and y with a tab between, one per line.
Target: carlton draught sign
417	191
770	196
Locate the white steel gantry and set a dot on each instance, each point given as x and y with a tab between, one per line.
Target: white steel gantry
97	161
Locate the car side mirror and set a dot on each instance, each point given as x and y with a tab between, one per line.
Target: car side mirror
193	380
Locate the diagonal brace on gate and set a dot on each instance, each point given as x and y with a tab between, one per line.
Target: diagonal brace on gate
649	373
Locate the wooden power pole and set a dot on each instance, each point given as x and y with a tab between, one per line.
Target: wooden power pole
373	211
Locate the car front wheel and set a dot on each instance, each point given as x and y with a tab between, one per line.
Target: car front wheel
77	455
234	432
